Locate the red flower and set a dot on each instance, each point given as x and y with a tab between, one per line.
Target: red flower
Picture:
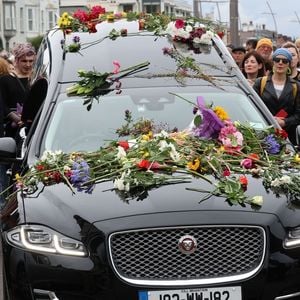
81	15
124	145
220	34
179	23
281	133
40	167
144	164
243	180
96	11
91	27
226	173
56	176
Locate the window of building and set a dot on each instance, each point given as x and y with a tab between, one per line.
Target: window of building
31	17
9	16
51	19
127	7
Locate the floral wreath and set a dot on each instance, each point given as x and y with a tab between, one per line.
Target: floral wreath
190	31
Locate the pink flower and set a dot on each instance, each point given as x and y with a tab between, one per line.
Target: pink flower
230	136
117	67
247	163
179	23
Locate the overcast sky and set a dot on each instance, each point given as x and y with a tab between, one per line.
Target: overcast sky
285	12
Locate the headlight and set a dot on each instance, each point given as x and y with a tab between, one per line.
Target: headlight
293	239
43	239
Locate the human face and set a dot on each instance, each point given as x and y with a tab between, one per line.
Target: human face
265	51
295	57
251	66
238	56
24	65
281	64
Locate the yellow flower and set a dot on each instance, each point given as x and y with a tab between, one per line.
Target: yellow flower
146	154
221	113
147	137
297	158
194	165
18	177
110	18
65	20
221	149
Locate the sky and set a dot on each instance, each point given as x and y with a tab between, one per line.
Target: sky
283	14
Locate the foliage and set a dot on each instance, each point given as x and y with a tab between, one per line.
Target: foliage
36	41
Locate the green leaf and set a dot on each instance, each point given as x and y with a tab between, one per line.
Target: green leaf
197	120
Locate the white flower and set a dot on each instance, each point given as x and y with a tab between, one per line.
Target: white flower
206	38
162	134
182	33
197	40
188	28
163	145
276	182
285	179
173	153
132	143
121	152
257	200
119	184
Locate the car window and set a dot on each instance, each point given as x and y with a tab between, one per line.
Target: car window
88	130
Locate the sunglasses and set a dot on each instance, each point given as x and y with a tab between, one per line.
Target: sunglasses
283	60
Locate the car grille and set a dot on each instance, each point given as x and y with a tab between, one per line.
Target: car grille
223	252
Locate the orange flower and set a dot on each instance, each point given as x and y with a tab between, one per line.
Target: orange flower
194	165
243	180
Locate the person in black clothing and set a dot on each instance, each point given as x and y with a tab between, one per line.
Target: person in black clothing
4	70
15	87
281	93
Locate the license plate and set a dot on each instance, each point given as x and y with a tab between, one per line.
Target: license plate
223	293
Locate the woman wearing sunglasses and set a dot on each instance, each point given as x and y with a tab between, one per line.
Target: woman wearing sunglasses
281	94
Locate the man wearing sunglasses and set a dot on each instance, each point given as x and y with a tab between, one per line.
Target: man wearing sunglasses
281	94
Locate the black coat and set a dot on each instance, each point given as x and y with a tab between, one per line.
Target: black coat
286	101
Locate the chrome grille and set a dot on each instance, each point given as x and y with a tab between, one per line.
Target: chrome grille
153	254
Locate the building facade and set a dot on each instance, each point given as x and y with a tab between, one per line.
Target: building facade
21	20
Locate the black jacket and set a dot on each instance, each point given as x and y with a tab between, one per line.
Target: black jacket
286	101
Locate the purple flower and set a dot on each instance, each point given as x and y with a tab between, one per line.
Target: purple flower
271	145
81	175
76	39
210	125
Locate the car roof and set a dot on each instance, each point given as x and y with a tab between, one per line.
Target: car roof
98	52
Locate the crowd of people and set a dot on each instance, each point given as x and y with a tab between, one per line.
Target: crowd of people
274	74
15	73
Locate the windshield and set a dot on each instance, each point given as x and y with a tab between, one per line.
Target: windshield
74	128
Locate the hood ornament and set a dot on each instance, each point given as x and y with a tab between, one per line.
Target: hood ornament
187	244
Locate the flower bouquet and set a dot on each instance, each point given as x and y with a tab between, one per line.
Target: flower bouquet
151	157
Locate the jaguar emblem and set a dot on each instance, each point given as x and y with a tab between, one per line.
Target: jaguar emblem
187	244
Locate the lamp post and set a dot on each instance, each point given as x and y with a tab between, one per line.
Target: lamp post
234	25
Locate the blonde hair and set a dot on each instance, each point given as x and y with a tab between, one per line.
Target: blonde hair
4	67
291	45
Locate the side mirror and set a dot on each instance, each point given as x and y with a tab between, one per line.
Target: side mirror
8	150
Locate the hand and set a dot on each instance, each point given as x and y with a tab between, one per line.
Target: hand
280	121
